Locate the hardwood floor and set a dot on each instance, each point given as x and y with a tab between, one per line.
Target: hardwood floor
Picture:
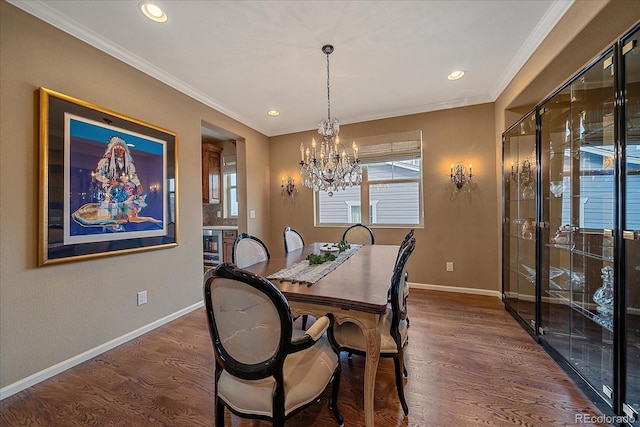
469	364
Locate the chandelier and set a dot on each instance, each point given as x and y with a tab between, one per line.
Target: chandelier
328	167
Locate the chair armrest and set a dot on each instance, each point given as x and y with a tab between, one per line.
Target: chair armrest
318	328
311	335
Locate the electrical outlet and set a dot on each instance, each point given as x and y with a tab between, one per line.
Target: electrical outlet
142	297
449	266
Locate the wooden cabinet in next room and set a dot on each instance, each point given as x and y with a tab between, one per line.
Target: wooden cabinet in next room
211	173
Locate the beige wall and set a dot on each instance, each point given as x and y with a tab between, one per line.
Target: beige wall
461	230
50	314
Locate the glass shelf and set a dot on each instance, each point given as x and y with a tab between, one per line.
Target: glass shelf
567	248
596	318
519	237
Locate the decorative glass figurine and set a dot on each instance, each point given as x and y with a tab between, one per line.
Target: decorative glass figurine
603	296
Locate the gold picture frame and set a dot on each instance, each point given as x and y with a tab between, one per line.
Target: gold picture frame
108	182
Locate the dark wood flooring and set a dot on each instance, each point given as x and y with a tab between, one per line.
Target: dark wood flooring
469	364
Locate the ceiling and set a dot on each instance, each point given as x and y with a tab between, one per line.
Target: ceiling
244	58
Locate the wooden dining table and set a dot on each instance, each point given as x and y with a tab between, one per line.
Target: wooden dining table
356	291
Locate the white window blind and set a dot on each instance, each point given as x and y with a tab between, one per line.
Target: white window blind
229	163
390	147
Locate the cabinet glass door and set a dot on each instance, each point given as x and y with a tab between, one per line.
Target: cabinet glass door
579	209
557	292
519	233
510	211
631	226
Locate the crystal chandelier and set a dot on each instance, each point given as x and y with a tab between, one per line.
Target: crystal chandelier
328	167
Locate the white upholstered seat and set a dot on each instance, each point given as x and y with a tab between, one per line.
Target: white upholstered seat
264	368
350	335
306	375
292	240
249	250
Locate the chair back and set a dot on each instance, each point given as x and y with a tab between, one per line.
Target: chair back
359	233
398	300
292	240
249	250
249	322
404	243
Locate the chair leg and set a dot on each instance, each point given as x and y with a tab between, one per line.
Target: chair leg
333	404
219	413
399	383
304	322
277	405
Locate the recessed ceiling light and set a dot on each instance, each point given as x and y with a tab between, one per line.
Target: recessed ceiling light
455	75
273	113
153	12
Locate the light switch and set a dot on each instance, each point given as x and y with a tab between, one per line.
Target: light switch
252	214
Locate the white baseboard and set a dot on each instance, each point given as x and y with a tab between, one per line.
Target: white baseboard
474	291
27	382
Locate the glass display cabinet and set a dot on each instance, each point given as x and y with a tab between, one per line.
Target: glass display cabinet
519	219
578	209
571	226
630	270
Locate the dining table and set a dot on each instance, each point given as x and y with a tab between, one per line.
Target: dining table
355	291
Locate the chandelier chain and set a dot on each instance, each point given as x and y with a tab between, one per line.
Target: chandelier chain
328	91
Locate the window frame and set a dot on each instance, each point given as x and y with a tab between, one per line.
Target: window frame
227	193
350	204
365	200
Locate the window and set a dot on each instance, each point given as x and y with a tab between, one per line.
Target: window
391	184
354	213
230	180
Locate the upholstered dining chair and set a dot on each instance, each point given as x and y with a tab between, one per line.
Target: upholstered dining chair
248	250
405	241
264	368
392	326
292	240
359	233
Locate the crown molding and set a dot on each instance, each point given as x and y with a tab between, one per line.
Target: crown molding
44	12
539	33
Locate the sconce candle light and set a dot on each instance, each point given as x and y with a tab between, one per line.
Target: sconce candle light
288	187
459	177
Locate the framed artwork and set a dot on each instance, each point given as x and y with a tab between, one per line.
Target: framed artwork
108	182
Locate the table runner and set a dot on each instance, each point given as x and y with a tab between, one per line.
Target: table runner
302	272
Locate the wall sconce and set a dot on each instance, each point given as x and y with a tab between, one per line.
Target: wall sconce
153	189
288	187
459	177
